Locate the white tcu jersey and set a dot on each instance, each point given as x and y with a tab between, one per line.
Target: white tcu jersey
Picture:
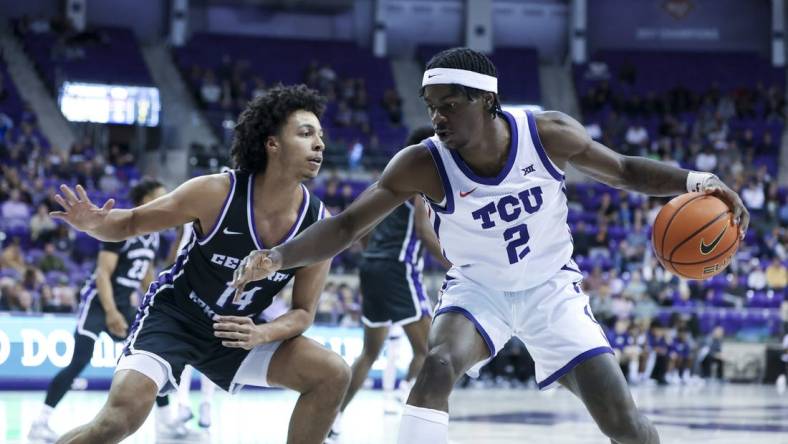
507	232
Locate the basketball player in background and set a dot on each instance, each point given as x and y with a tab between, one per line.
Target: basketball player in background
122	268
495	182
189	315
392	290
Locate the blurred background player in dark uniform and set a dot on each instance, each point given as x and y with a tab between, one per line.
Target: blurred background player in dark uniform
122	268
393	294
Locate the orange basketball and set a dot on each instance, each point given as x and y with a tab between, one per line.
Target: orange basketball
695	236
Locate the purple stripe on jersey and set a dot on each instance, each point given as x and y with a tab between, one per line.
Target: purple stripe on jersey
514	143
163	279
469	316
568	268
582	357
220	218
436	157
548	164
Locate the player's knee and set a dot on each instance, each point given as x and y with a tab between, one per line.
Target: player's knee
337	374
439	366
123	415
624	427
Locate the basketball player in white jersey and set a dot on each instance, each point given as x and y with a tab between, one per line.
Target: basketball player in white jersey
495	182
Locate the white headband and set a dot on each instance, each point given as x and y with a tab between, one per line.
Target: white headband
445	76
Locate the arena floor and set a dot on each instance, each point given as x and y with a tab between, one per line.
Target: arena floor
720	414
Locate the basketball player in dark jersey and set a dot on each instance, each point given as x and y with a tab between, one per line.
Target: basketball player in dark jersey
190	314
391	286
122	268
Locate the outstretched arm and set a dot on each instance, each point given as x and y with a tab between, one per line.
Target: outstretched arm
404	176
566	141
198	199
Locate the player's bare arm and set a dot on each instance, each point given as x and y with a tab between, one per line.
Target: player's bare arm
566	141
199	199
410	172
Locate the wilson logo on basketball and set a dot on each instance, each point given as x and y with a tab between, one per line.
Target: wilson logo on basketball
707	249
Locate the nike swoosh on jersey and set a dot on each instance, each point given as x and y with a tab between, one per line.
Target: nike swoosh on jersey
465	193
707	249
226	231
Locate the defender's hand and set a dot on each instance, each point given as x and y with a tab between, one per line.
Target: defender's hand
257	265
80	212
238	332
117	324
741	216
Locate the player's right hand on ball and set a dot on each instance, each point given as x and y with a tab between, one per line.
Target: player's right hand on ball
117	324
80	212
257	265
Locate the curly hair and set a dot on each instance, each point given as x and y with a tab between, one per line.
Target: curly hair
142	188
469	60
264	116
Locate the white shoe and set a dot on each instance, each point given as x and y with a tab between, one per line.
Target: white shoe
205	415
40	432
172	431
184	414
780	384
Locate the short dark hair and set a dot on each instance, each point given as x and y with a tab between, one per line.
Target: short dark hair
264	116
469	60
142	189
419	134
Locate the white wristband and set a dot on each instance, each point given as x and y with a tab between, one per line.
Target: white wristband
696	181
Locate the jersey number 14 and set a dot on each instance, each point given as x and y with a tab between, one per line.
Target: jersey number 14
242	302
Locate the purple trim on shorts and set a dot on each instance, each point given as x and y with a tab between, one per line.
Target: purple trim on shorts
470	317
574	363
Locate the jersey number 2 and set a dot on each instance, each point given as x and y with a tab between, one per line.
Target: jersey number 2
517	236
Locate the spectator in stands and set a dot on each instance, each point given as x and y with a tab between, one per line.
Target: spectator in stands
635	288
706	160
344	115
109	182
359	106
636	137
326	77
332	198
776	275
606	213
734	293
328	307
63	239
711	354
347	195
210	90
28	140
355	155
392	103
593	282
58	299
581	239
658	342
50	261
351	307
41	225
12	256
119	156
600	243
14	210
753	196
20	300
757	278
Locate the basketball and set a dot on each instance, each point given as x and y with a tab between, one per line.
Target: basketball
695	236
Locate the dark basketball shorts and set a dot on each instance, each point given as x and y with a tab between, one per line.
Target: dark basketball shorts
91	320
392	293
163	341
